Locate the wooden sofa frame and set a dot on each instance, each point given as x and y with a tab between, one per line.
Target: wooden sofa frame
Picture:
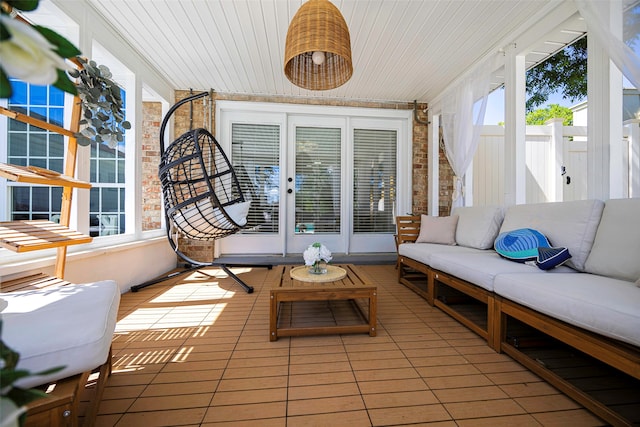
426	281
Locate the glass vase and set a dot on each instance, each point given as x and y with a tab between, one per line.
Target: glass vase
319	267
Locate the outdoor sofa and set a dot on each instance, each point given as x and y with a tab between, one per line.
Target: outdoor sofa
590	303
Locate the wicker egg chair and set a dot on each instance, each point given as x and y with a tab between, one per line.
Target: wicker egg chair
201	192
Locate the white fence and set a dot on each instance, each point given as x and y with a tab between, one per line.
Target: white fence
556	159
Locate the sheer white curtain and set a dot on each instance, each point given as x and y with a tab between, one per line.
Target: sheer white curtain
622	55
463	109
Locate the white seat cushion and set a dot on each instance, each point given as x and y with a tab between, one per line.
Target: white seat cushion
422	252
203	219
482	269
70	326
599	304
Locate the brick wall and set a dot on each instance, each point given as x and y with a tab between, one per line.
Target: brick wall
203	251
446	180
151	192
419	196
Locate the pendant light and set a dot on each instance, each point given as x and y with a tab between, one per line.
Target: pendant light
318	47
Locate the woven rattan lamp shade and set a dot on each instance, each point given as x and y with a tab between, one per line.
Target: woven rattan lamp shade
318	26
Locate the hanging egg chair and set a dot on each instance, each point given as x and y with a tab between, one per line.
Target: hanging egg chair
201	192
202	195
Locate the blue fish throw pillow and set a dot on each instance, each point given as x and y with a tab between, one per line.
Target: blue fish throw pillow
529	245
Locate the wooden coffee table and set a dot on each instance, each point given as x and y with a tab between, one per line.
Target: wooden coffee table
354	285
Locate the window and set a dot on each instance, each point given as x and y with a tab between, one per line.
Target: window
111	174
107	207
374	180
29	145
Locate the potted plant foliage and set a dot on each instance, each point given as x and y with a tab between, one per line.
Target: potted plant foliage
102	105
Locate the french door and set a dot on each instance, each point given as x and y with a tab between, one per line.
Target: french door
314	178
316	184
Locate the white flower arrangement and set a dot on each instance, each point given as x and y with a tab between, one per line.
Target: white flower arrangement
32	53
27	55
315	253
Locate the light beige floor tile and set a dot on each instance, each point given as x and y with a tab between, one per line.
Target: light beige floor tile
408	415
163	403
325	405
325	390
242	397
505	421
351	419
399	399
578	417
483	409
469	394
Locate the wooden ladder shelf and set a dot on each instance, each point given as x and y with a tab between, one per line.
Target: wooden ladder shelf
32	235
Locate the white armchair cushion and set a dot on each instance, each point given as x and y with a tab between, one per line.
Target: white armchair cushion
70	326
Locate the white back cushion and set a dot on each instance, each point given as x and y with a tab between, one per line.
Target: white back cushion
616	250
438	229
478	226
571	225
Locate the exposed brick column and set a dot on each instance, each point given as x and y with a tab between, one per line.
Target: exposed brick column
420	163
446	180
151	192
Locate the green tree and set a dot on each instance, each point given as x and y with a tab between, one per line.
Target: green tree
552	111
566	71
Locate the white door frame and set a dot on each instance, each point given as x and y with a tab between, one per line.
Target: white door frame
228	112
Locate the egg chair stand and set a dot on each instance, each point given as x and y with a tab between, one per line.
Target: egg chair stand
202	196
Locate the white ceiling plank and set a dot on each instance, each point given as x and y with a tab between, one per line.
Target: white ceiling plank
402	49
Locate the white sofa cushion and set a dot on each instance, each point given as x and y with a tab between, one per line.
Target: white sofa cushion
69	326
203	219
422	252
599	304
616	249
482	268
478	226
571	225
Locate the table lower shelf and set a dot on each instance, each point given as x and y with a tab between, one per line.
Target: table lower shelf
306	318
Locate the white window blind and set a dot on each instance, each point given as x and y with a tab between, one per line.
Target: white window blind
255	155
374	180
317	181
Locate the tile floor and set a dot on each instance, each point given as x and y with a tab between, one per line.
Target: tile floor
195	351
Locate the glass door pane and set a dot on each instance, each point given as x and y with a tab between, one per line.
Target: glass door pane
374	180
255	154
317	181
